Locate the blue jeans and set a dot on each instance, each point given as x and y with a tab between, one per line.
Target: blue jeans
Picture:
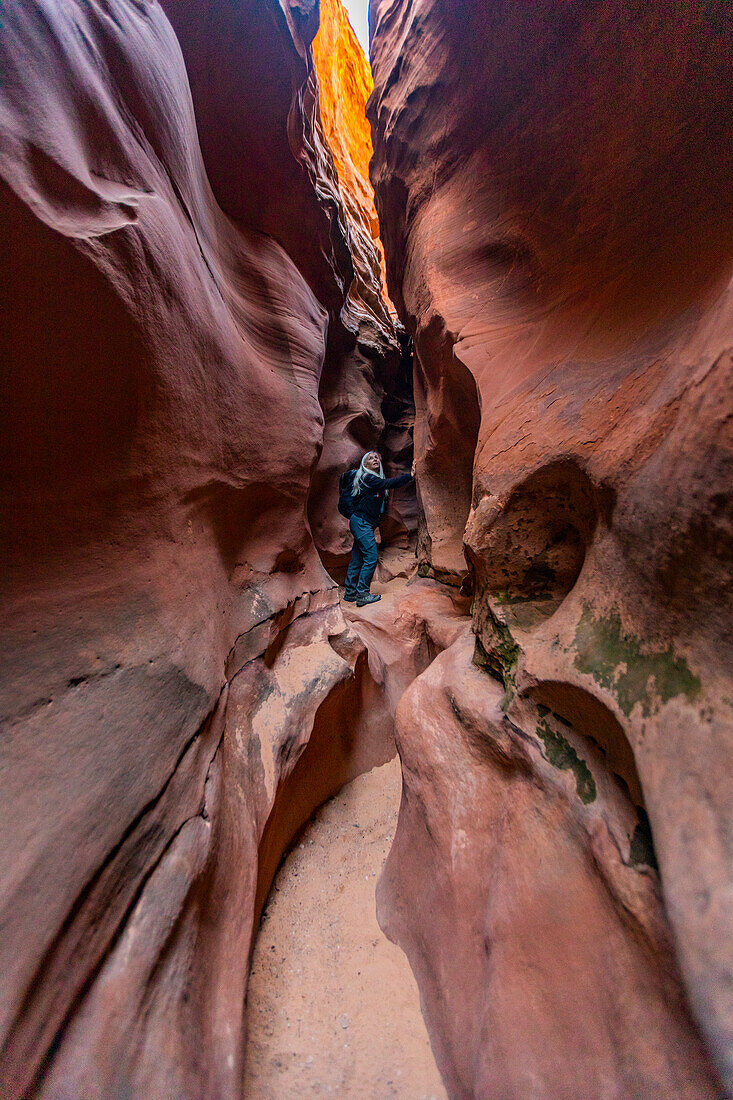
363	558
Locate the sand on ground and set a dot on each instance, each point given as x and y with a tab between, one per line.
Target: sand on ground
333	1006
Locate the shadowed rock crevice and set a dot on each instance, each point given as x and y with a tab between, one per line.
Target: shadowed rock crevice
590	717
447	417
528	557
367	401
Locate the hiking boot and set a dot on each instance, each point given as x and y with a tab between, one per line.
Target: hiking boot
361	601
348	599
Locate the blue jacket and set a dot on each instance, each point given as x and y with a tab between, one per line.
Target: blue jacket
371	502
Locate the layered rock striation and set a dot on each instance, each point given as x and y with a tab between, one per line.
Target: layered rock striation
553	192
345	84
196	343
180	280
366	385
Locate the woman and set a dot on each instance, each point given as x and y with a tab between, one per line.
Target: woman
370	493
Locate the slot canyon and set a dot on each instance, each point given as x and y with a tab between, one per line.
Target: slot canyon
474	840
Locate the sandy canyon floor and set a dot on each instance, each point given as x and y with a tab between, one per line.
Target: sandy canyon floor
333	1006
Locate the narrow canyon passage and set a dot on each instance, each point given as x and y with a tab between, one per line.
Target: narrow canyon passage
241	254
333	1007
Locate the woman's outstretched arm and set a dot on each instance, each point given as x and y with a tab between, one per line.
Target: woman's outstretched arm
373	482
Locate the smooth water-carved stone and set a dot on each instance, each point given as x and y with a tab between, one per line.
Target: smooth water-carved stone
574	263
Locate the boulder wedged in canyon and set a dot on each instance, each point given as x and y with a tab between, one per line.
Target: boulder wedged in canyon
553	187
167	312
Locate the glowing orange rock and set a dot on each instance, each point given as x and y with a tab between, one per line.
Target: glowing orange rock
346	83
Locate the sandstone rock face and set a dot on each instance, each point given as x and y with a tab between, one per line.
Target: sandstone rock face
196	343
553	191
366	385
345	84
170	639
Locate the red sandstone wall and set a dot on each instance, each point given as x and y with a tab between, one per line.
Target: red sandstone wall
194	329
553	187
345	83
170	638
366	390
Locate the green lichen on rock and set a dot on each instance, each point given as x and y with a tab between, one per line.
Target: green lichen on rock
499	658
424	569
616	661
482	659
504	645
561	754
